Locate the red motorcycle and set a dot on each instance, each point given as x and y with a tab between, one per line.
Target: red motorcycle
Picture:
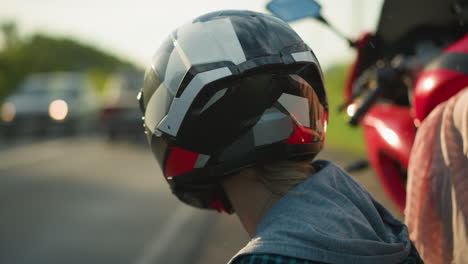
416	59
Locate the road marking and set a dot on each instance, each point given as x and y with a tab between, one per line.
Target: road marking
162	241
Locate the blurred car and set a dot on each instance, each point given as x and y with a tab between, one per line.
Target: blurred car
65	101
120	114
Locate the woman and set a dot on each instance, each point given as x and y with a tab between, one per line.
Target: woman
235	109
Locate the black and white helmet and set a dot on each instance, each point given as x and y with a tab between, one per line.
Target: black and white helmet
227	91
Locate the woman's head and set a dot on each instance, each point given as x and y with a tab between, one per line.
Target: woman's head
228	91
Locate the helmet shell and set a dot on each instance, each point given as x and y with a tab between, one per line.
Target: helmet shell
227	91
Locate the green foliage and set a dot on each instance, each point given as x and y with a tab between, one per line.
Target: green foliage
43	53
10	34
98	78
339	133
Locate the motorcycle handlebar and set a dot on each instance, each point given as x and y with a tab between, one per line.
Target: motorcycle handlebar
367	103
385	77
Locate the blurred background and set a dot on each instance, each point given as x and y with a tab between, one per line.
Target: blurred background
77	182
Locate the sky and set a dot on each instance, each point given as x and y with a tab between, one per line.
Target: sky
134	29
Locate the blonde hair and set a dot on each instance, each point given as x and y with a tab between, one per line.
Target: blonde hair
280	177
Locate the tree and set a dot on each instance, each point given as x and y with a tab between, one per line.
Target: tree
9	34
44	53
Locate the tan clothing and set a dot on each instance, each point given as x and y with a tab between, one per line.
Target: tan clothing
437	192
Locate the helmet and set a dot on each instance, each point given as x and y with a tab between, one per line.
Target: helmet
227	91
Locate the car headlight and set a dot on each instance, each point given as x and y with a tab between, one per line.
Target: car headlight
58	110
8	112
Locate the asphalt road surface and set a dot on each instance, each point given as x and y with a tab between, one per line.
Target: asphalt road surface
88	201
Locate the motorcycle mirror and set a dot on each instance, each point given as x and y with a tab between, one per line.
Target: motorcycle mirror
292	10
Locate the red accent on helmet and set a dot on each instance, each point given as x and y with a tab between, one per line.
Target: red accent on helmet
218	205
301	135
180	161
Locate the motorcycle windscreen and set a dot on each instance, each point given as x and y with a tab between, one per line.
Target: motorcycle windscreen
398	17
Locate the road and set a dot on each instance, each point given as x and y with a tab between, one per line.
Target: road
88	201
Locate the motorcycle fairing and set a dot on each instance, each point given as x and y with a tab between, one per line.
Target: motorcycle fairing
389	131
364	49
442	78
